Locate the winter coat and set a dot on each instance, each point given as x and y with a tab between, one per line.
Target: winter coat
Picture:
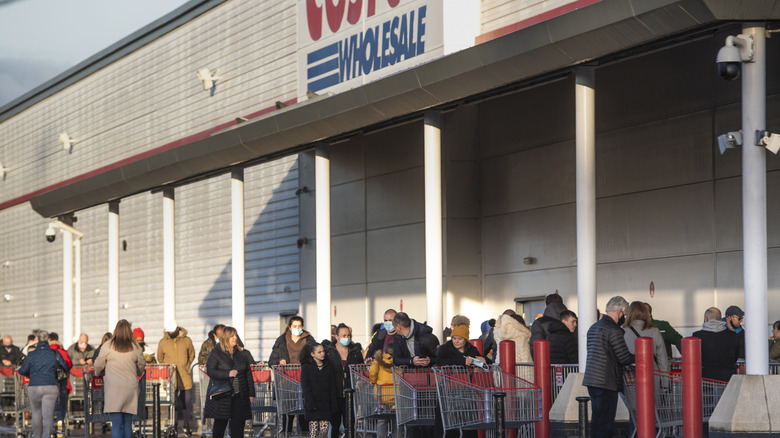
659	348
670	335
279	350
563	344
76	355
12	353
607	354
489	346
41	365
121	378
449	355
719	351
354	356
377	342
218	366
425	345
774	350
319	391
510	329
205	349
56	346
541	327
180	352
381	374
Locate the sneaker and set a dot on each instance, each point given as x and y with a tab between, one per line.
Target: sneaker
187	431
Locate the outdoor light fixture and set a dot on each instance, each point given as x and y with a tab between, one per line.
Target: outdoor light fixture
768	140
66	141
729	141
209	79
7	298
7	264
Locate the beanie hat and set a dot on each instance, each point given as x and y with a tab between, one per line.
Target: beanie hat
485	327
138	333
461	331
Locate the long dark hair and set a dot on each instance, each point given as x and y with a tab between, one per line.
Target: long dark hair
123	340
305	355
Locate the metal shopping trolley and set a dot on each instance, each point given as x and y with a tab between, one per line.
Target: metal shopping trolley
8	391
264	415
669	399
373	403
415	396
466	398
22	404
94	401
289	395
76	398
206	424
165	375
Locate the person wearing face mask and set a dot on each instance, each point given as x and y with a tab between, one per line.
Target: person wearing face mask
341	355
176	348
414	343
383	337
607	355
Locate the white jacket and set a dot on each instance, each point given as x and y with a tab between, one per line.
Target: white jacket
509	329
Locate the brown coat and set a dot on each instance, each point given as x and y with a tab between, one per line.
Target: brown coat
121	379
180	352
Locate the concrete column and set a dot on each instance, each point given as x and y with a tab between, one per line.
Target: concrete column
433	222
585	102
67	287
754	204
322	215
113	265
169	257
76	287
237	214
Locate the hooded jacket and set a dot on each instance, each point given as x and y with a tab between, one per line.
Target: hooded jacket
354	356
509	329
607	354
719	350
425	345
563	344
541	327
180	352
279	350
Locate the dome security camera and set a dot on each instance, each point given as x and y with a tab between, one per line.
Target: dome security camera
729	62
51	234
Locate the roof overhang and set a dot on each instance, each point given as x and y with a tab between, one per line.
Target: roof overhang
587	34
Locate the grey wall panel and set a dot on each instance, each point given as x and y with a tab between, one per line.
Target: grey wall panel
463	249
348	207
460	133
94	274
669	222
728	214
502	289
394	149
347	160
528	179
395	199
461	189
666	153
727	118
307	218
396	253
348	306
730	281
546	234
402	295
464	297
348	261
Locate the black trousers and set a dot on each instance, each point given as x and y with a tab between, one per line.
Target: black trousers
236	426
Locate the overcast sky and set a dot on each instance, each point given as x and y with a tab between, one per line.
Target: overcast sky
41	38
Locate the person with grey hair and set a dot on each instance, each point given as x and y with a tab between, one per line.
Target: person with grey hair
719	347
607	354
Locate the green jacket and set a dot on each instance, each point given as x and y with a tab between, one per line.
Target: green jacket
670	335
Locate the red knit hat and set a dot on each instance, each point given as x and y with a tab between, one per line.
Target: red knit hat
138	333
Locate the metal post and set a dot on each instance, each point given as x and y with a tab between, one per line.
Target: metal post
542	380
322	215
67	286
169	258
754	204
478	344
349	424
585	83
498	409
237	237
156	432
76	287
433	222
582	419
113	265
645	388
506	352
691	381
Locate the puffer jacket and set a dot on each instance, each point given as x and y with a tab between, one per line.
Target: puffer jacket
218	366
180	352
563	344
318	386
541	327
719	350
509	329
354	357
607	354
425	345
41	365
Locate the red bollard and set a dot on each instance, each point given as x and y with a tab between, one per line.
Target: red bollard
693	422
477	343
506	351
645	388
542	380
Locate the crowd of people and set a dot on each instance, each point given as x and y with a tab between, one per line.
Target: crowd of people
398	340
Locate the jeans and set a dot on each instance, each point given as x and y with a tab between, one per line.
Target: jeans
604	406
184	406
42	400
121	425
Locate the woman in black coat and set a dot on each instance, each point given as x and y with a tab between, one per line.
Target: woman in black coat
318	383
341	355
228	364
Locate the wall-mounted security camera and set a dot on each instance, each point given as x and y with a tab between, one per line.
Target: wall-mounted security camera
729	141
738	49
51	234
208	78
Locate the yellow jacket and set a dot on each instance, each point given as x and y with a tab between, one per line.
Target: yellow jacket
382	376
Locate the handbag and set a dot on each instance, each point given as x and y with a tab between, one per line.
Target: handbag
62	375
220	391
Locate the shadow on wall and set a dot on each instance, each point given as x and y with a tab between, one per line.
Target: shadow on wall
272	258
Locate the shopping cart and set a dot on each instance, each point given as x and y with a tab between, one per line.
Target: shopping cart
289	395
415	396
76	398
94	401
373	403
466	398
264	414
206	424
669	399
163	374
22	404
7	392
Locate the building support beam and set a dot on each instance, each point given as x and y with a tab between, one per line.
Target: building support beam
113	265
237	215
322	216
169	258
433	223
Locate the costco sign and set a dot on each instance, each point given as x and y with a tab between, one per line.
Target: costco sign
345	43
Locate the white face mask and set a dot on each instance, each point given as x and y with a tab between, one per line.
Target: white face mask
296	332
388	326
477	363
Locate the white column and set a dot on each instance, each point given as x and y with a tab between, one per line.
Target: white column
237	215
585	103
169	260
322	215
433	222
76	288
67	287
113	265
754	205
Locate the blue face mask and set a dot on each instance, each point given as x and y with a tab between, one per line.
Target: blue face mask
296	332
388	326
477	363
344	341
